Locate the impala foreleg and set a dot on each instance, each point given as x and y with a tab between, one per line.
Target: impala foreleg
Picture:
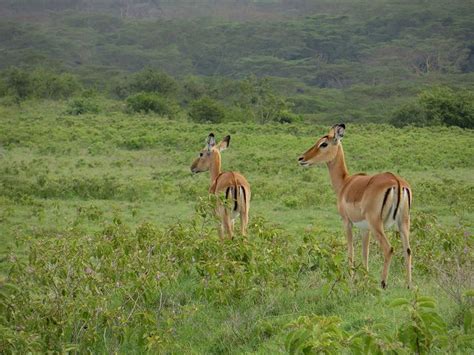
350	246
365	248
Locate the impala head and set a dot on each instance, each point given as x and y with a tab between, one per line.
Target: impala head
325	148
203	161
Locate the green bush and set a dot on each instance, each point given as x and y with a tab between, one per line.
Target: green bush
206	110
438	106
151	102
17	83
151	81
286	116
82	105
49	85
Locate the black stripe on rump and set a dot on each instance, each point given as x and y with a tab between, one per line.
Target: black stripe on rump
245	194
398	200
384	200
235	198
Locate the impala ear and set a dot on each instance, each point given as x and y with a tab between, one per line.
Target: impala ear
224	144
339	131
211	141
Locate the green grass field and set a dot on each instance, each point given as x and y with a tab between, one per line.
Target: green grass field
107	243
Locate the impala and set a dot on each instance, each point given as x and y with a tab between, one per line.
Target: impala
371	203
233	184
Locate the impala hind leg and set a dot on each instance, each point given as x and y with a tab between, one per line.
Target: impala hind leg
244	210
228	223
219	213
387	249
365	248
244	221
404	229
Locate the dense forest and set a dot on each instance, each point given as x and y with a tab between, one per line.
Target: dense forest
314	58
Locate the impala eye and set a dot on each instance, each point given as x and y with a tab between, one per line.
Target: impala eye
200	154
323	145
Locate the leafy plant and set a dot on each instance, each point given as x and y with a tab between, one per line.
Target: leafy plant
315	334
425	330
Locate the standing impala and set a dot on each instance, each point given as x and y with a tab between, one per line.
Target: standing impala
232	183
371	203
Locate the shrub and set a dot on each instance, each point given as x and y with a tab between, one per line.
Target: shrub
82	105
46	84
438	106
206	110
18	83
286	116
150	80
150	102
40	83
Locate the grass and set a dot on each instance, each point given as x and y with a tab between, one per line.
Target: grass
67	180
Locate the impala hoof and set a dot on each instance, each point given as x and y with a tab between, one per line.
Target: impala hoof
384	285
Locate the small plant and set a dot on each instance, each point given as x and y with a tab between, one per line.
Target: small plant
424	330
315	335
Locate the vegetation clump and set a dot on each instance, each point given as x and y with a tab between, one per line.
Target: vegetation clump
438	106
39	83
147	102
82	105
206	110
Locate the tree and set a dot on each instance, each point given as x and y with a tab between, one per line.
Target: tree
261	100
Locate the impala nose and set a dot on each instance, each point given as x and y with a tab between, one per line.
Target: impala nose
302	162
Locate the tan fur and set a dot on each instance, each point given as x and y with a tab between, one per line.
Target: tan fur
233	183
370	201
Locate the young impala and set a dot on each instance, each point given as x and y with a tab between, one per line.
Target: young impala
371	203
233	184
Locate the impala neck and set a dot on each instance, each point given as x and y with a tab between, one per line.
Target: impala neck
215	168
338	170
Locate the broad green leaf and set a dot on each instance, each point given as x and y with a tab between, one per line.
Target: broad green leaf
399	302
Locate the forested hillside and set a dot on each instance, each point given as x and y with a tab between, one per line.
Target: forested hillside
361	59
